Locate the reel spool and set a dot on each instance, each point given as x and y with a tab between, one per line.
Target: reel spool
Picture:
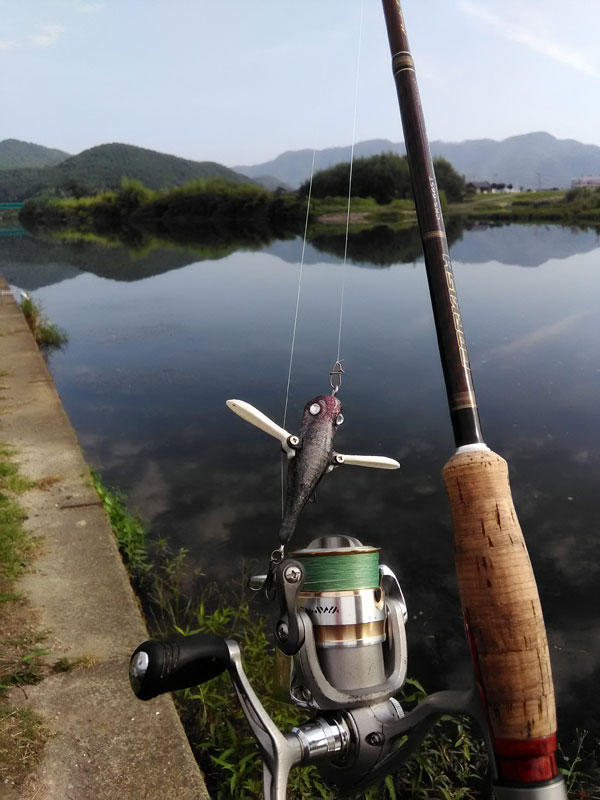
345	602
342	619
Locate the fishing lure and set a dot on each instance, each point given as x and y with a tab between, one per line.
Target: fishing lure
310	454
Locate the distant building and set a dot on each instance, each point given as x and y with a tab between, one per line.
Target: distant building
479	187
587	181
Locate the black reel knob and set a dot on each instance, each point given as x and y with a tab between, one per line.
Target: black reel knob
157	667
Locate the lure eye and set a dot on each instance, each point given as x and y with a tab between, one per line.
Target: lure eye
314	409
339	419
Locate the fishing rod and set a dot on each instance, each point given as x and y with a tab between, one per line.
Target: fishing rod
340	615
500	602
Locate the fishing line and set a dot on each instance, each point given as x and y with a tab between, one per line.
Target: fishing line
350	183
312	169
289	378
339	571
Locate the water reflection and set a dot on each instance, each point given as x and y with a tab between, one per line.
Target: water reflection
34	262
159	340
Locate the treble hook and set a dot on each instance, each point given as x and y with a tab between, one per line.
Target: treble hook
335	377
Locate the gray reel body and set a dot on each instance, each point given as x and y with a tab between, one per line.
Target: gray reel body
341	657
344	656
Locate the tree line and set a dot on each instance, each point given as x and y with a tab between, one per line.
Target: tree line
384	177
241	206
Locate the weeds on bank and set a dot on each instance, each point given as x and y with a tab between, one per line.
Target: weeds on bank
47	335
22	738
449	764
581	767
128	529
15	543
19	662
69	664
21	668
11	479
213	718
22	735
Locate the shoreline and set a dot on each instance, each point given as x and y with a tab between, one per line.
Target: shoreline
101	741
186	209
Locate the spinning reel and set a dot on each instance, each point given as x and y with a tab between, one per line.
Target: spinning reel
341	657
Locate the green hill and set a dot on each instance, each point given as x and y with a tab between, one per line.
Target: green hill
15	154
103	167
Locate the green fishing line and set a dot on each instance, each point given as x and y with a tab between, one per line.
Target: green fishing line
338	572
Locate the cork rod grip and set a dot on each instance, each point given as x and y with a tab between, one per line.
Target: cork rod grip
500	600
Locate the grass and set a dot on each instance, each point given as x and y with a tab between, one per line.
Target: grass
570	207
21	664
128	529
11	479
22	739
69	664
213	718
447	765
581	767
367	205
561	206
47	335
22	734
15	543
328	215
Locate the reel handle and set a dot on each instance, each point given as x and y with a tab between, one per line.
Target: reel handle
157	667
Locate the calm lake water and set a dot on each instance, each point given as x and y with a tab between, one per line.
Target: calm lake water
159	340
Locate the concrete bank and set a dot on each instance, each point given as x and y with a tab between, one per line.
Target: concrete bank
103	742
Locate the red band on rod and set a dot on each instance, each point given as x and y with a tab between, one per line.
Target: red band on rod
526	760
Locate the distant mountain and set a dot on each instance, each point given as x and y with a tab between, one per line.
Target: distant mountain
15	154
521	245
104	166
293	166
532	160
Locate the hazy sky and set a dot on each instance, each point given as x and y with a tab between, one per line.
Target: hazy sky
240	81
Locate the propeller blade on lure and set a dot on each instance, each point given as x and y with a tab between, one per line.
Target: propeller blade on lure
310	454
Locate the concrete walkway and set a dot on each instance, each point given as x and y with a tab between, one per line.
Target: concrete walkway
104	742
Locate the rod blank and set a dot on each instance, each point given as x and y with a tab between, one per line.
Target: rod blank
501	607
